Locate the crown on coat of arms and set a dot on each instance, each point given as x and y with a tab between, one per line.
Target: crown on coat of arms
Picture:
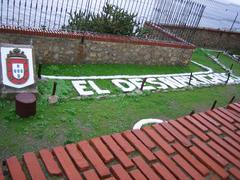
16	53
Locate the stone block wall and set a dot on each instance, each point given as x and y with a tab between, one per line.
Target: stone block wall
77	48
211	38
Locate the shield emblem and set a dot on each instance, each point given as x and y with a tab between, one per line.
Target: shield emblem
17	67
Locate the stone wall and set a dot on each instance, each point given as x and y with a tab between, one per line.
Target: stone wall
211	38
72	48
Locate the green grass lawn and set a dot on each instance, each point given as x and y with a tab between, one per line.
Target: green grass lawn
227	61
75	120
115	69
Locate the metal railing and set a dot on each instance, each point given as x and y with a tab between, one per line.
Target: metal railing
54	14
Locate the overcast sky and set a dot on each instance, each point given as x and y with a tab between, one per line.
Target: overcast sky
230	1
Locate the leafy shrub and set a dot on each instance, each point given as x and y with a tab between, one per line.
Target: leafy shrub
112	20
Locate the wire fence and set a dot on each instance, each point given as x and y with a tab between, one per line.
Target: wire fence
54	14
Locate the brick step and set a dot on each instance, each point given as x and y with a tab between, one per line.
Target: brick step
118	152
139	145
206	123
95	160
77	157
159	140
194	129
230	114
144	138
90	175
196	123
120	173
177	134
136	175
33	166
123	143
221	120
15	169
69	169
102	150
49	162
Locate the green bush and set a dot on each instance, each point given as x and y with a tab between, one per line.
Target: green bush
112	20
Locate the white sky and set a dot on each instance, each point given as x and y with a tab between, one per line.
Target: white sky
230	1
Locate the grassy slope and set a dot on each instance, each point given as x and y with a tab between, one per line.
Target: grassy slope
71	121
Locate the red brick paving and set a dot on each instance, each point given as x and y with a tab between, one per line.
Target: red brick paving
1	174
201	146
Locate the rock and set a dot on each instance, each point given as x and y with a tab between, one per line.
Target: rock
53	99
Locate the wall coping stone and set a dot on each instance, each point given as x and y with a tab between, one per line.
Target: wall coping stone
201	28
93	37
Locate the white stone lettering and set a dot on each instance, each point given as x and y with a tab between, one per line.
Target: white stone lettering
171	82
124	85
138	82
97	89
154	81
81	87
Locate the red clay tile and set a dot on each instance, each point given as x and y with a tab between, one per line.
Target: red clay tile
232	142
1	174
238	133
223	115
163	171
224	144
139	145
117	151
165	134
92	156
177	134
209	119
230	114
120	173
192	128
49	162
144	138
234	108
231	134
196	123
191	159
15	169
187	167
209	162
33	166
159	140
66	163
171	165
110	178
221	120
237	104
90	175
77	156
235	172
237	125
207	124
234	112
210	152
102	150
123	143
224	153
137	175
180	128
145	168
